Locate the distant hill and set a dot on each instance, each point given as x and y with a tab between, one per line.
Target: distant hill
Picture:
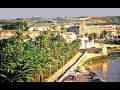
104	20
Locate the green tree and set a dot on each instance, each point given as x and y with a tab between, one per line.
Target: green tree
93	35
14	25
103	34
36	60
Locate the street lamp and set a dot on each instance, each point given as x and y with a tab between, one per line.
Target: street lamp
50	65
42	75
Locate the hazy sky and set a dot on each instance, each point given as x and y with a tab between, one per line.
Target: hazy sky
8	13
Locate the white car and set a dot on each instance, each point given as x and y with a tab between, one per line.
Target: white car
75	73
96	79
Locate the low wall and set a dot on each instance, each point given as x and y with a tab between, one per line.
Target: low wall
90	56
64	68
73	67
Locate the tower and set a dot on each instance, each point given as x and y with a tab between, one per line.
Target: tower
81	29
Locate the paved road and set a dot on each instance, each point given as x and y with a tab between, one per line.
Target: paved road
83	77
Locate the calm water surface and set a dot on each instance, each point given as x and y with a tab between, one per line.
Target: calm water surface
108	70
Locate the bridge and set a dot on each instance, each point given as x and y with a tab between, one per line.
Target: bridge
106	45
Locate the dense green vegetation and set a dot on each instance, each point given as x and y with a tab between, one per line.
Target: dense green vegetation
112	42
14	25
36	59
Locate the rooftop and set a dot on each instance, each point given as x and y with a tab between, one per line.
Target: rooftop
68	33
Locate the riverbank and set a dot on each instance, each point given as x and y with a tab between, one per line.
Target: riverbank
103	66
93	57
96	59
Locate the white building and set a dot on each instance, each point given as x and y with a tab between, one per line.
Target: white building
31	28
69	36
38	28
67	26
86	43
41	28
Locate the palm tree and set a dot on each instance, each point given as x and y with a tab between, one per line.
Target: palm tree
18	61
31	62
103	34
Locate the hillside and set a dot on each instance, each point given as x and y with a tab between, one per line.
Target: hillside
104	20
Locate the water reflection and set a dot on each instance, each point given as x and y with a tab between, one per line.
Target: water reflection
108	70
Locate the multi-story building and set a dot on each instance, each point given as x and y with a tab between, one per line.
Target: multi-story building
96	28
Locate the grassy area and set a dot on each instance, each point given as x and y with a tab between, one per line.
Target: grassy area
88	69
45	24
42	24
114	54
79	68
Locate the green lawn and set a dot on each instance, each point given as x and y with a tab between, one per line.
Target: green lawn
45	24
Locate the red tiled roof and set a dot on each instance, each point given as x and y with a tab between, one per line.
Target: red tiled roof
7	30
29	32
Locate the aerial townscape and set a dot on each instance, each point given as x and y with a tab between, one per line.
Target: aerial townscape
60	49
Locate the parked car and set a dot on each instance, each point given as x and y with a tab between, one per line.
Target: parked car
91	74
77	72
73	73
70	78
96	79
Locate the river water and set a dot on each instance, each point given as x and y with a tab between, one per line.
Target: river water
108	70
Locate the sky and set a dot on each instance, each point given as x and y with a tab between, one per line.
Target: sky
11	13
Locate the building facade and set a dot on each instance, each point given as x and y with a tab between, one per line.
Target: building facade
96	28
11	33
69	36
